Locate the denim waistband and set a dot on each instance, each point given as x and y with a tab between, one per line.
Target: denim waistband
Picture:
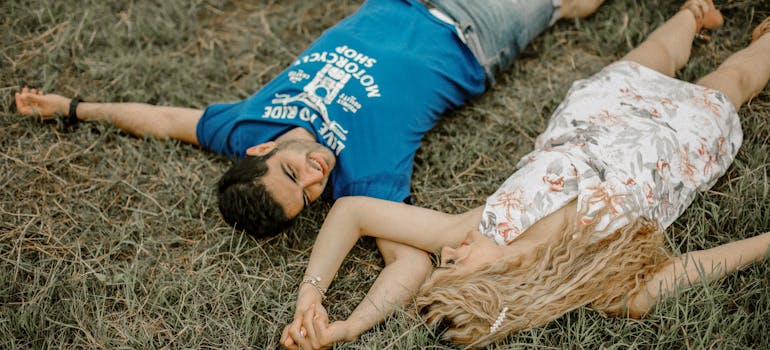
496	30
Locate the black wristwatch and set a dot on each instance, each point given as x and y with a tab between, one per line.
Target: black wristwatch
72	120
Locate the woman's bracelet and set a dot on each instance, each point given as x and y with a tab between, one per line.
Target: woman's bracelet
315	281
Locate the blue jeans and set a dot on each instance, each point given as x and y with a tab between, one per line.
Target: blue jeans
497	30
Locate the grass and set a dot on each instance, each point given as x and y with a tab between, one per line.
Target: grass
109	241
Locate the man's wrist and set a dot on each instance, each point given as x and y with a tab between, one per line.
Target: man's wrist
72	113
349	330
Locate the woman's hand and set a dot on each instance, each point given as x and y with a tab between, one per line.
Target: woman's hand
307	297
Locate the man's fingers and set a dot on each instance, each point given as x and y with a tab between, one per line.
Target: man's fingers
286	341
324	336
321	312
321	325
307	323
24	105
289	344
284	334
297	340
293	335
21	101
321	318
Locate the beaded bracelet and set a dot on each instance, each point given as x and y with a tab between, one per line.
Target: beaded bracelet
314	281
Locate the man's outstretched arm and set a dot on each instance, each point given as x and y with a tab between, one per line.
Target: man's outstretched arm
138	119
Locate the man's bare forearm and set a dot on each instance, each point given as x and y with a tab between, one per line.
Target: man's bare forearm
393	289
141	119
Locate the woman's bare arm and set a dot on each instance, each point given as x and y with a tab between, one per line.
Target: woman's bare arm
353	217
350	219
701	265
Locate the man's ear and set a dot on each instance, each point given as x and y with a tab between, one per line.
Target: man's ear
261	149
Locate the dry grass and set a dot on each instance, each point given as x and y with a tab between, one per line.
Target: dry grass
108	241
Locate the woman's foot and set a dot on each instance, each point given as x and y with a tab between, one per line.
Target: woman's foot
706	14
34	102
762	29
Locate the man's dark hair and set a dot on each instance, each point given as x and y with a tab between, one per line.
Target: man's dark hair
245	202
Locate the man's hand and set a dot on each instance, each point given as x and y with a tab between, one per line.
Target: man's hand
46	106
293	331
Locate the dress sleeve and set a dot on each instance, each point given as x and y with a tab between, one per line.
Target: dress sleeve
545	182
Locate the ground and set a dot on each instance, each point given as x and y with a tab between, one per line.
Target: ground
110	241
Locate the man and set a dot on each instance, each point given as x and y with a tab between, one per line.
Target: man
350	111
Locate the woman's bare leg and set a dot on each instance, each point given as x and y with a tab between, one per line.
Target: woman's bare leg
579	8
762	29
668	48
744	74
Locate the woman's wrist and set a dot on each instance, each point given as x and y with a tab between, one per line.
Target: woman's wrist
315	283
307	295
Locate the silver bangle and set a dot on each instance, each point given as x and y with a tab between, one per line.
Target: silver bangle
315	282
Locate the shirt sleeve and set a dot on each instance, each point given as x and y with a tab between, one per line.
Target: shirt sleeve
216	126
392	187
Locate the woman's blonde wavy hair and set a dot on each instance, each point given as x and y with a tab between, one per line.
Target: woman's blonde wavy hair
578	270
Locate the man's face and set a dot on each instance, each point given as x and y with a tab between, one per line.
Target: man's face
297	174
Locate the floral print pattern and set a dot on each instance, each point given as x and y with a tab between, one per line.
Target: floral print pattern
628	139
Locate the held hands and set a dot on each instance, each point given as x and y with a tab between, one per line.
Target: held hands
306	299
311	330
46	106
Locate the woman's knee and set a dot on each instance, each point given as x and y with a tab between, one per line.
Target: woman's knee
736	83
579	8
654	55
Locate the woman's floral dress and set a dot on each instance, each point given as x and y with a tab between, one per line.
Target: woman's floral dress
629	139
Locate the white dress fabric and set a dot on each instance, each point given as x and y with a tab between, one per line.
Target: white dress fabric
629	139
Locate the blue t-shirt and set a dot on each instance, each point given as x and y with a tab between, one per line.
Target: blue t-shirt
369	89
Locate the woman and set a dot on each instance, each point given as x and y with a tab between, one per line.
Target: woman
581	221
